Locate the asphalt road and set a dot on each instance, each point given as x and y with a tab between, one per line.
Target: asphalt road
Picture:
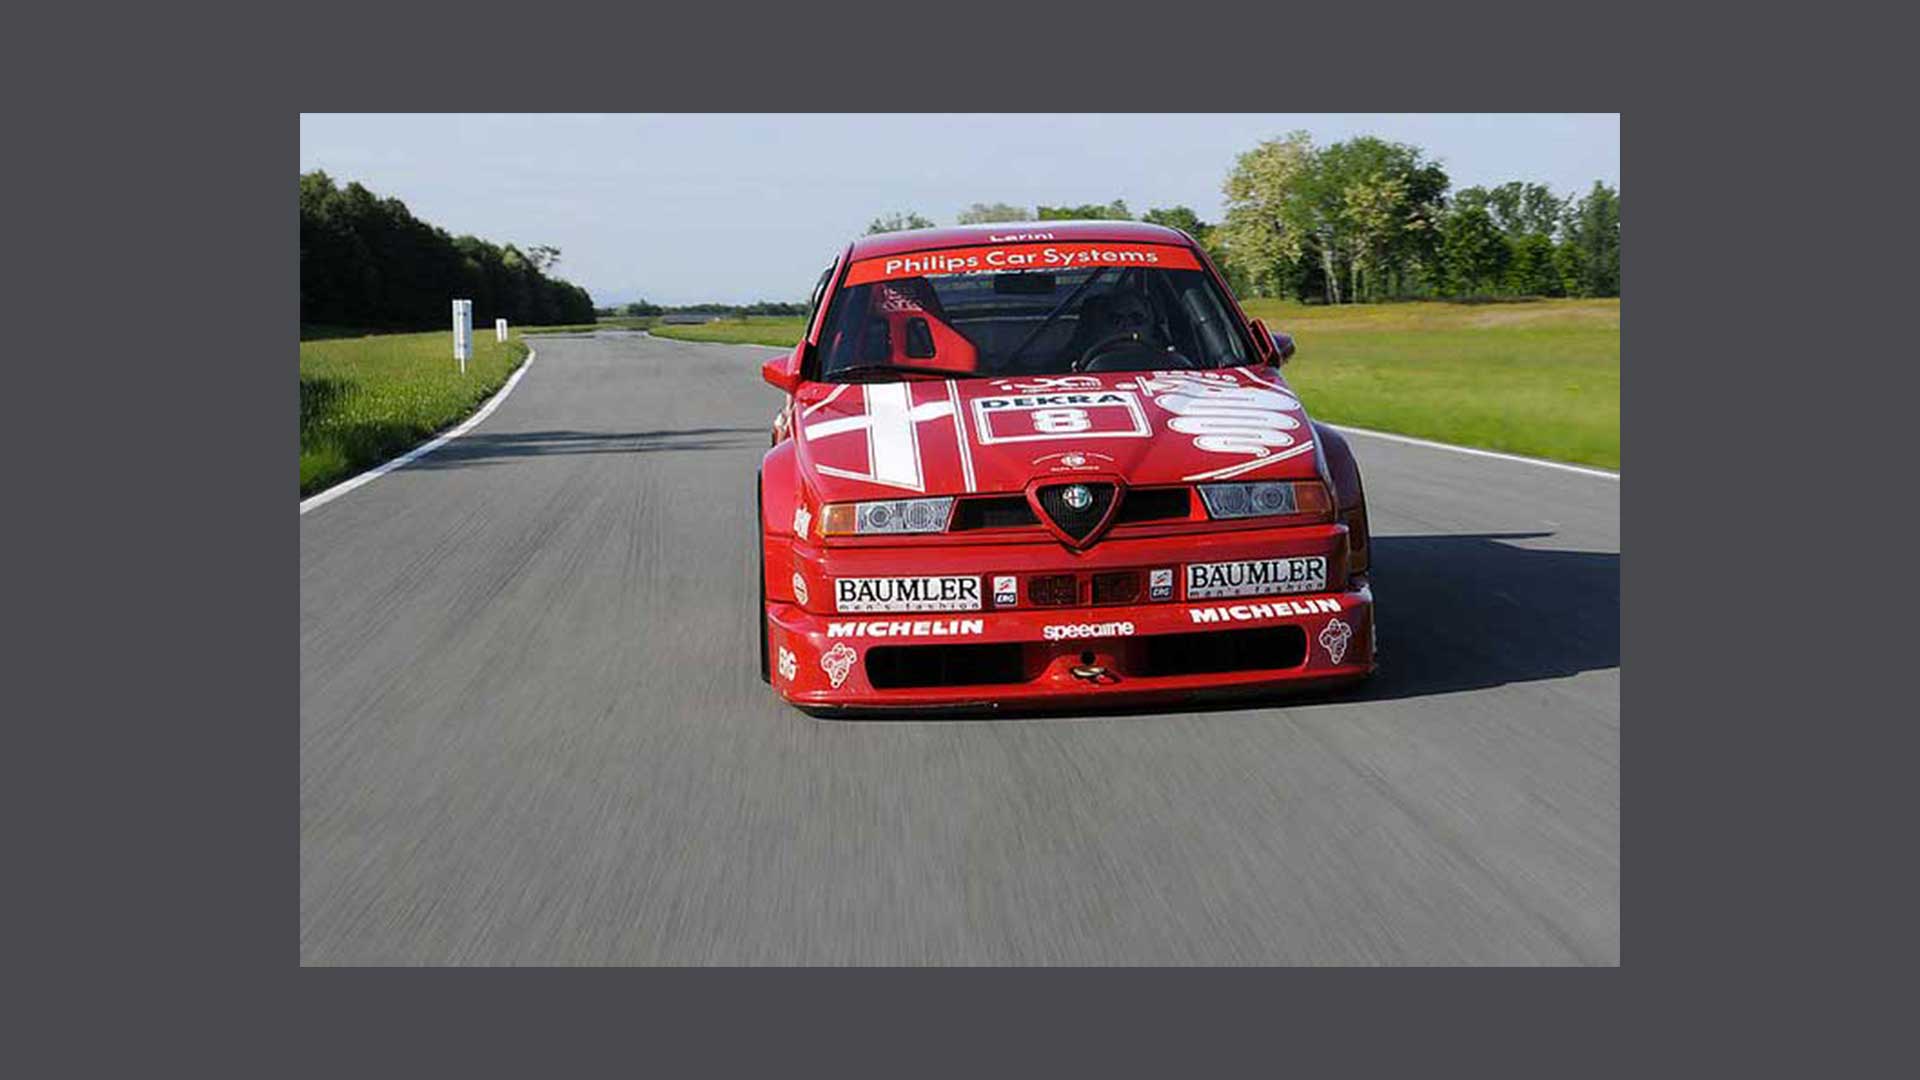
532	731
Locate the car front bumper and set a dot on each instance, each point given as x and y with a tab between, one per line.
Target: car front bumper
1070	657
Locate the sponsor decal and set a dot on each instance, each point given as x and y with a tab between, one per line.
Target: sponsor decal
799	587
997	238
1006	590
1277	609
907	594
1071	461
789	667
837	662
1160	584
1225	416
1091	414
908	628
802	521
997	256
1335	637
1086	630
1257	577
1048	384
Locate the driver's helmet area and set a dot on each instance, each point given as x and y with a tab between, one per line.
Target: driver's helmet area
1125	313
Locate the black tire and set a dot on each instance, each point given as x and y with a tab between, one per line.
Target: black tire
760	544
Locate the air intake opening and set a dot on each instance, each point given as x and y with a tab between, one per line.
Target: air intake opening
1267	648
895	667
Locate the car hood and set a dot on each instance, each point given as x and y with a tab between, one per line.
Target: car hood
961	436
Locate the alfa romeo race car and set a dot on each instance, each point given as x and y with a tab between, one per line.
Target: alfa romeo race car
1049	464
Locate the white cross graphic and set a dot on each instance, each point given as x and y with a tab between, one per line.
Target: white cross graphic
893	441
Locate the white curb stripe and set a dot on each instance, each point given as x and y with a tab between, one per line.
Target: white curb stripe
316	501
1476	452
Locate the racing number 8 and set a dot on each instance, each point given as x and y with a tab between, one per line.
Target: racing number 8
1060	421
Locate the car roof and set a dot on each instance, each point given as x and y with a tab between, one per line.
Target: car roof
1133	232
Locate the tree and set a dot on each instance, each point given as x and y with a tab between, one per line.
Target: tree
1473	251
543	257
1208	236
1530	267
1113	211
1521	209
1178	217
897	222
367	262
1363	212
983	213
1267	226
1374	206
1589	261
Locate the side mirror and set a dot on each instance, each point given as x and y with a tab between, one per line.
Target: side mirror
1280	345
783	372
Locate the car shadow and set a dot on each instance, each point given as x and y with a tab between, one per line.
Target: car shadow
1456	613
489	448
1466	612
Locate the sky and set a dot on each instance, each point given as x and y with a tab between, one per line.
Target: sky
735	208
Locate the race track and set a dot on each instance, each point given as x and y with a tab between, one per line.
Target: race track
532	730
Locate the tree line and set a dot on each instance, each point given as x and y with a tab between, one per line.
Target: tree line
1367	220
760	307
367	262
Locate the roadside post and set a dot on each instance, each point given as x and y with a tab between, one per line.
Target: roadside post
463	332
499	329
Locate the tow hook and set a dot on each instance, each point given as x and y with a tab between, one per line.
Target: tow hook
1093	673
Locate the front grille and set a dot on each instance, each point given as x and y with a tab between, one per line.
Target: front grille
993	512
1263	649
1117	587
1053	590
1076	523
898	667
1153	504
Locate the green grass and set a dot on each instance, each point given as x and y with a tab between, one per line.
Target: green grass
1540	378
751	330
366	399
618	322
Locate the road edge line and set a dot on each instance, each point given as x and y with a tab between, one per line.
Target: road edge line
1584	470
316	501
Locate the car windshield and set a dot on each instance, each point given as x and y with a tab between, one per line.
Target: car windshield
1037	309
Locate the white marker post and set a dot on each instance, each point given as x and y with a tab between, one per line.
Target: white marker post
462	332
499	329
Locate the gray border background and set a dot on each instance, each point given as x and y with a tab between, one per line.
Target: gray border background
156	778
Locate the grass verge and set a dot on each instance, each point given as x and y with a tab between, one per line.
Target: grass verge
620	322
366	399
1540	378
776	330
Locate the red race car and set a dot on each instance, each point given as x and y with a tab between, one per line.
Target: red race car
1049	464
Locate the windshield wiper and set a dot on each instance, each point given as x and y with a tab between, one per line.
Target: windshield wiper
859	370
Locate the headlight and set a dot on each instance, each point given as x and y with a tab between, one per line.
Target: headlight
1290	498
886	516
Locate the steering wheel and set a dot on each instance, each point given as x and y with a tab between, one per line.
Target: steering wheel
1161	358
